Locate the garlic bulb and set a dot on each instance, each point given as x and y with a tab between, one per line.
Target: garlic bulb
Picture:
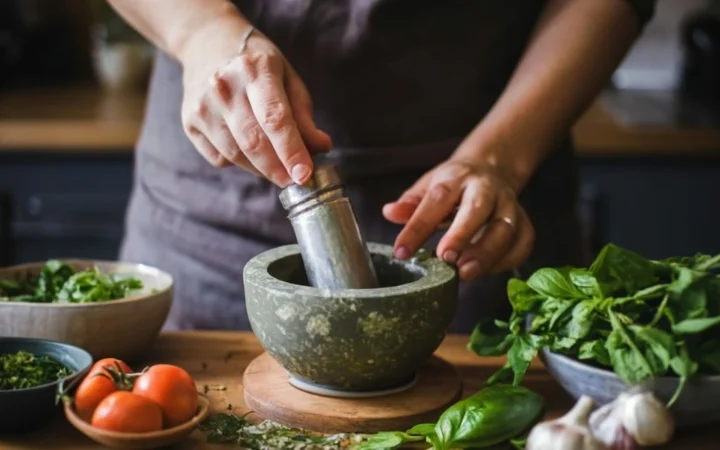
647	419
632	420
570	432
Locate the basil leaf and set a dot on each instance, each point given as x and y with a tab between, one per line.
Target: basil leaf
563	344
586	282
489	340
501	376
552	283
617	269
695	326
685	367
387	440
660	347
521	354
492	416
594	350
581	322
521	296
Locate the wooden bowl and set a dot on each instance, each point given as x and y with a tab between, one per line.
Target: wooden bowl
137	441
122	328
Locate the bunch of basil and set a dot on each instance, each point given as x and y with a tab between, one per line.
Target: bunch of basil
494	415
643	318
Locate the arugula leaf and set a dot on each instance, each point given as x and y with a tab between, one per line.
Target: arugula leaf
492	416
694	326
552	283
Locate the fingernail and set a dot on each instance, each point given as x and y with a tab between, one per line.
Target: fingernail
450	256
469	269
402	253
299	173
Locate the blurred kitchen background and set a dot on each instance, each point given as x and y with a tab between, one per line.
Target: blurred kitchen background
72	80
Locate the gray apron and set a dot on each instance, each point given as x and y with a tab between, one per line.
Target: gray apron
397	84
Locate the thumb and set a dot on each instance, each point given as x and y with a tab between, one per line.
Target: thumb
316	140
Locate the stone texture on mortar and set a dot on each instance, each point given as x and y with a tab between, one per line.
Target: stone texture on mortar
354	339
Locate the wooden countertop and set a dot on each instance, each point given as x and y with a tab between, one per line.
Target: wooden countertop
220	358
86	119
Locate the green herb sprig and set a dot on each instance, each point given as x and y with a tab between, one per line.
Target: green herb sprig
641	318
492	416
60	283
23	370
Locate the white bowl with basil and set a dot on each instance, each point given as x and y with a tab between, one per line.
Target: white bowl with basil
111	309
624	321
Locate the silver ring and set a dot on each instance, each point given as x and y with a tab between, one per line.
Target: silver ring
507	221
244	40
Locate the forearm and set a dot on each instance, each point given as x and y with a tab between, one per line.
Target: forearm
573	52
170	24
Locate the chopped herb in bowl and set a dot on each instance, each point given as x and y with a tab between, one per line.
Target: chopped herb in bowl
23	370
58	282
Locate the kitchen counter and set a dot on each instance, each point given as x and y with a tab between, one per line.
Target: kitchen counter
220	357
86	119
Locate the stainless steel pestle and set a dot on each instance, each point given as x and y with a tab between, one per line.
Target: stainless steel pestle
333	249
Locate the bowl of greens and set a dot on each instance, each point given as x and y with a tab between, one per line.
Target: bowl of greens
31	370
624	321
111	309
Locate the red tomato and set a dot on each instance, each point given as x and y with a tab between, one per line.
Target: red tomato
127	413
111	364
97	385
171	388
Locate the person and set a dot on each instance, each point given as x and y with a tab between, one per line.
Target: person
430	110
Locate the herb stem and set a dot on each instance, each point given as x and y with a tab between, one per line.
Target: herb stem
660	311
709	264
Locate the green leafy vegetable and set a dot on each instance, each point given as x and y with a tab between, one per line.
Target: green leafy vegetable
494	415
23	370
643	318
60	283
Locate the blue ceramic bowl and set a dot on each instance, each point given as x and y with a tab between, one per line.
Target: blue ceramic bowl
698	404
25	409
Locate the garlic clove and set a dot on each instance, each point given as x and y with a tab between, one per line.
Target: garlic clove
647	419
569	432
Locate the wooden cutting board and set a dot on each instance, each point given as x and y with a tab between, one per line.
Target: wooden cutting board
268	393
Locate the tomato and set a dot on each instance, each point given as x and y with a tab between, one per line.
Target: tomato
127	413
173	389
97	385
111	364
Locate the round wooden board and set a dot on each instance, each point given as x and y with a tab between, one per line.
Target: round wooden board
269	394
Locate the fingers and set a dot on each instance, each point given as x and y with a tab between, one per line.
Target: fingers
206	148
500	247
316	140
263	76
521	248
400	211
441	196
249	146
479	200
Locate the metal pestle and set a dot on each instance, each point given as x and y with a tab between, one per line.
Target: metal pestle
333	249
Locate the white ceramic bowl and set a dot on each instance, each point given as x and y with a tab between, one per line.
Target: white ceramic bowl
121	328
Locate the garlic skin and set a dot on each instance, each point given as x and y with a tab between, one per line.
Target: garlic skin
633	420
647	419
570	432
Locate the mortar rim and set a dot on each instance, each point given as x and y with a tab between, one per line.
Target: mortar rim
438	273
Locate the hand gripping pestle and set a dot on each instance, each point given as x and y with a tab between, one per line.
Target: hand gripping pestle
333	249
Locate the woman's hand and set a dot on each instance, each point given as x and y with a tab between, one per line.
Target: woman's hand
249	107
490	231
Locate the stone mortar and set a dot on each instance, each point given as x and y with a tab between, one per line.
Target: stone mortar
351	339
